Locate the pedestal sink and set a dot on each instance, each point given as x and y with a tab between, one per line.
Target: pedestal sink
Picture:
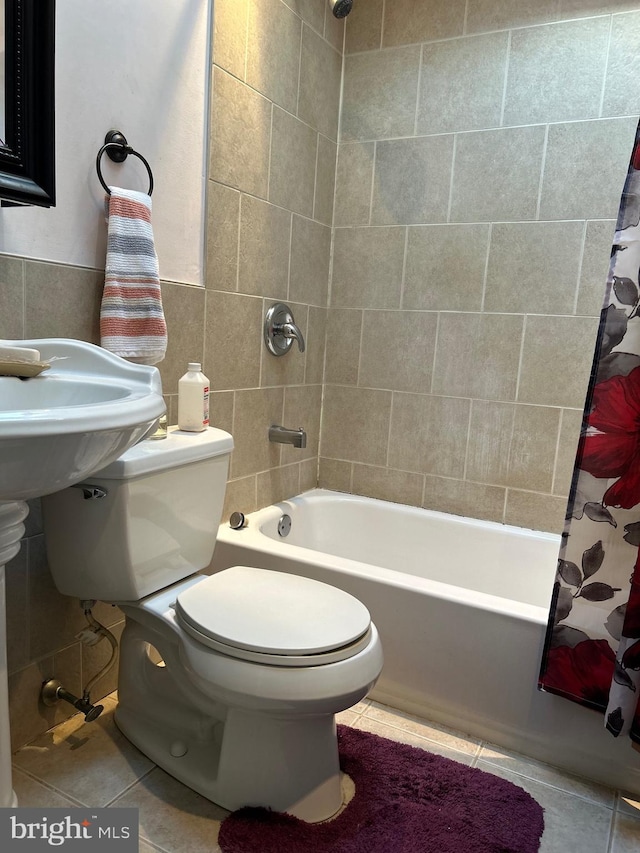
55	430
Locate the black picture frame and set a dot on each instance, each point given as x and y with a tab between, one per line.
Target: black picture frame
27	157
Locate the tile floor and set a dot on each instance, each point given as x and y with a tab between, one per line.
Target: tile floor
79	764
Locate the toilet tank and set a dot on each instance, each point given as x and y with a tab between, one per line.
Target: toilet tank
155	525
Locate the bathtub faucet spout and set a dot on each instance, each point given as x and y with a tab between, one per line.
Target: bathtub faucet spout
282	435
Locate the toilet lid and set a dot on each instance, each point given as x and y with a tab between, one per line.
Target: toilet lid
272	613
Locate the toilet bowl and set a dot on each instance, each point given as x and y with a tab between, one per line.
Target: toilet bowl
230	682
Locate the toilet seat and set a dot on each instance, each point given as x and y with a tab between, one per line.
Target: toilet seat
273	618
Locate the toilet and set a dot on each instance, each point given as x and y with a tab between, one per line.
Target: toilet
229	682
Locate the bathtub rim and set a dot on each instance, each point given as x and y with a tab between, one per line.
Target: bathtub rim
255	540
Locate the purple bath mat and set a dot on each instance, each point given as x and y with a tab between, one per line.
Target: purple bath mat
406	801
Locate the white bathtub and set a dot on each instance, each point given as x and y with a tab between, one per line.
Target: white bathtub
461	606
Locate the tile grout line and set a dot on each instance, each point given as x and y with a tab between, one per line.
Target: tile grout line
46	784
612	829
417	110
521	358
246	44
404	268
237	290
453	167
440	743
291	247
580	265
435	354
465	466
557	452
605	71
543	165
156	846
302	25
506	79
373	182
362	313
485	275
130	786
388	449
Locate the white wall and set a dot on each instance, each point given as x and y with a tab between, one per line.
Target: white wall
141	67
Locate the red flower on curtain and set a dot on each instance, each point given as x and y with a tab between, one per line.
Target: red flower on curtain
614	450
584	671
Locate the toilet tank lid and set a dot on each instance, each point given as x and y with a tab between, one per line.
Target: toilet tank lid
178	448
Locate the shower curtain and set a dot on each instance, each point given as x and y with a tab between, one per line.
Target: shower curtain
592	651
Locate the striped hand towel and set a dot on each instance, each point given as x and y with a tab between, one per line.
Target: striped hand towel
132	322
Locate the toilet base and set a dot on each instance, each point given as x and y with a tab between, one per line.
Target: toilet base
232	756
264	763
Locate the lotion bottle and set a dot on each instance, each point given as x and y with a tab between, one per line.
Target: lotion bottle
193	400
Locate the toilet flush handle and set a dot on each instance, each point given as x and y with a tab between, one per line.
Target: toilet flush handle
90	491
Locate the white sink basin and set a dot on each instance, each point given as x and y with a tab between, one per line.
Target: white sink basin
73	419
55	430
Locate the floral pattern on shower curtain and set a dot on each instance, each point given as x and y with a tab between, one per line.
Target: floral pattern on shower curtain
592	653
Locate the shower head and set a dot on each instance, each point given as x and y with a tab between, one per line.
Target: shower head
341	8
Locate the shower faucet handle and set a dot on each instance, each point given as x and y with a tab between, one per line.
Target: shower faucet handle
280	330
291	331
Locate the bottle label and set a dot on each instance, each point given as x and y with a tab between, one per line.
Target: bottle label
205	401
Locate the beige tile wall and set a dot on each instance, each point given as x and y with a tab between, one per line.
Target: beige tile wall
470	232
274	123
482	152
274	119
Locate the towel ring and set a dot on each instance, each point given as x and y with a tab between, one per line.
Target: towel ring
118	149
